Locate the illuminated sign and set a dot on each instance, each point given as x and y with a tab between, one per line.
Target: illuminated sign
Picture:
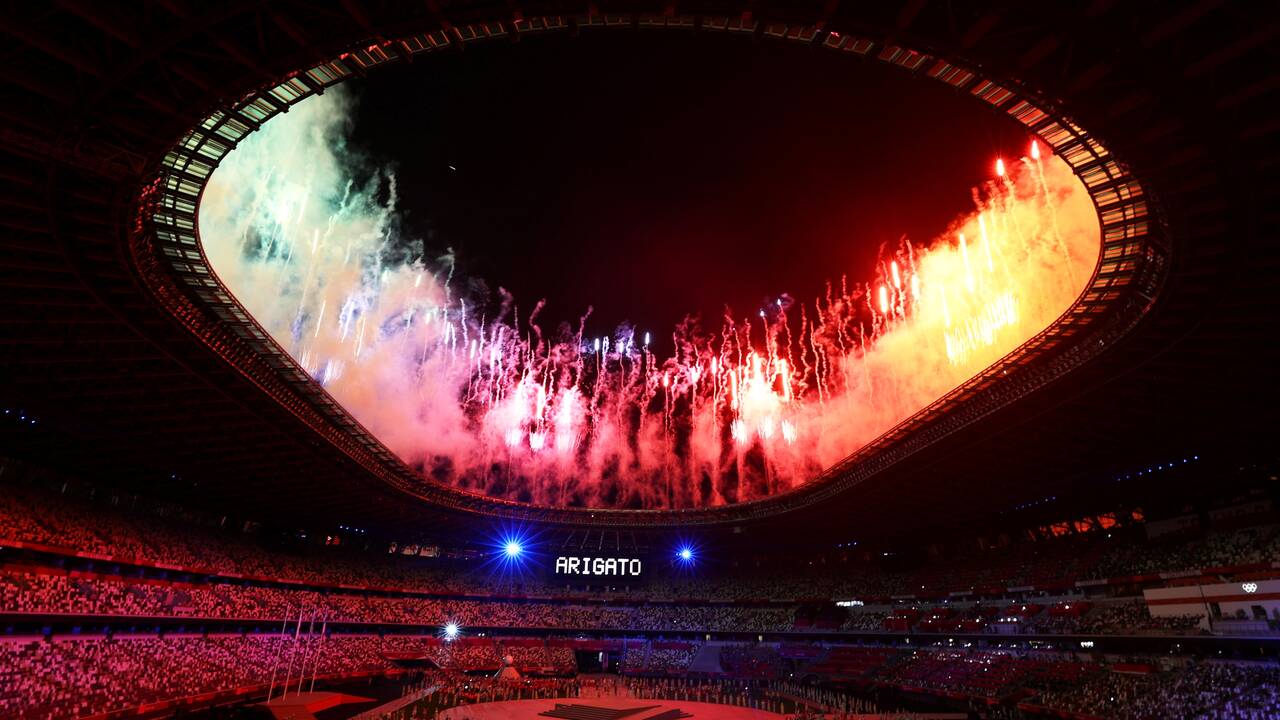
849	603
590	567
1249	587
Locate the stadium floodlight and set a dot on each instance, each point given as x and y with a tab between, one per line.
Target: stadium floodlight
513	550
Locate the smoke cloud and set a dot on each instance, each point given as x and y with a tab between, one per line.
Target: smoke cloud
306	234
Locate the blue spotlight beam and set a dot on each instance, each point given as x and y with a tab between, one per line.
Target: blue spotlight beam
686	554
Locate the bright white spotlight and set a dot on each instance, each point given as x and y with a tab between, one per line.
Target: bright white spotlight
450	631
685	554
513	549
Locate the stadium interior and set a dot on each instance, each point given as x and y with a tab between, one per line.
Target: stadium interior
365	359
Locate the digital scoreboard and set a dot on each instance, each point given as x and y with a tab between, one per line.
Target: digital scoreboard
598	569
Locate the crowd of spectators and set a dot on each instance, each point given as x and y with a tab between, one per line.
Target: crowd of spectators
540	658
1059	683
1063	683
23	590
71	677
1196	691
751	661
476	655
175	539
28	591
1124	617
864	621
67	677
50	591
983	674
670	660
113	526
659	658
1242	547
1128	617
844	664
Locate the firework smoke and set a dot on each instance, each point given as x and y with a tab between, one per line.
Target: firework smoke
485	400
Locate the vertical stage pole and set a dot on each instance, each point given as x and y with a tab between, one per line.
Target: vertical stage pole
292	654
324	640
306	650
275	665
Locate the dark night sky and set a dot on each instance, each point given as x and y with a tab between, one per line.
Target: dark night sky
653	175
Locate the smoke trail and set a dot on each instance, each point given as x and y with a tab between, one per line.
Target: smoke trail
460	386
